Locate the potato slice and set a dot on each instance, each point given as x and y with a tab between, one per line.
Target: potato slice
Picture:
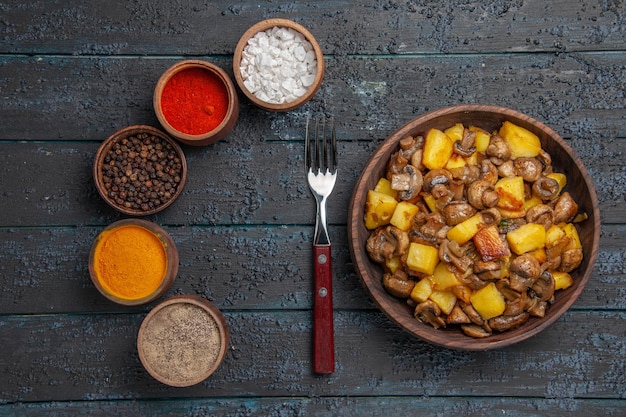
403	215
489	244
422	258
379	208
437	149
488	301
527	238
384	186
511	193
422	290
443	278
464	231
562	280
523	143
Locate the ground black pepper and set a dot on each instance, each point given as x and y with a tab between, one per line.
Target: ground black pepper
141	172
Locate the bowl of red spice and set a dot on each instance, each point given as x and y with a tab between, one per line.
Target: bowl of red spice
278	64
183	340
196	102
133	261
139	170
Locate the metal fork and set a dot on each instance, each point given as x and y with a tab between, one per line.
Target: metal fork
321	171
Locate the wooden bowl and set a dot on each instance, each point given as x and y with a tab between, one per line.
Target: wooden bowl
116	247
264	26
183	340
579	184
118	196
198	103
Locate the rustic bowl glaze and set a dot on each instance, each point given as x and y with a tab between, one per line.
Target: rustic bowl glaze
161	237
564	159
100	160
261	27
232	112
183	340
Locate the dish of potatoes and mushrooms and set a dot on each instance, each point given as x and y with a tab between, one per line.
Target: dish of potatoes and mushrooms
474	228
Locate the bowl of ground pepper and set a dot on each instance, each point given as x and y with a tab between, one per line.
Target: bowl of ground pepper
140	170
183	340
196	102
133	261
278	64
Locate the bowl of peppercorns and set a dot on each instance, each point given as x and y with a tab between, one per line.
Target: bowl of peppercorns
139	170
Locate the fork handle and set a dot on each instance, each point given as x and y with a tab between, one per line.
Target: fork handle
323	333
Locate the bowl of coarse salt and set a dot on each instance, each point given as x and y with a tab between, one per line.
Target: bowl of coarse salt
278	64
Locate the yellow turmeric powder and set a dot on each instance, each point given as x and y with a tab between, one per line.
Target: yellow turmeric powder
130	262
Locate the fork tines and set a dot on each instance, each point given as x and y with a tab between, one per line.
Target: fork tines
318	156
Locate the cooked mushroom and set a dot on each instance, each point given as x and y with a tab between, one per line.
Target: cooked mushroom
488	172
409	145
386	242
436	177
408	182
475	331
396	164
545	188
482	194
429	312
398	284
465	146
473	281
543	288
498	148
457	316
457	212
429	231
571	259
546	160
541	214
536	307
451	252
528	168
472	314
467	174
491	216
487	271
565	209
507	169
525	270
502	323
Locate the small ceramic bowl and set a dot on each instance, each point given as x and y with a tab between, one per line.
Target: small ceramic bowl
183	340
490	118
196	102
133	261
139	170
268	25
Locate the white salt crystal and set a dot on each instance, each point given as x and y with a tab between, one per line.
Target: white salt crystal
278	65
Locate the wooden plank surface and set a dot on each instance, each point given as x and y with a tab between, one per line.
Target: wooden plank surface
72	73
270	355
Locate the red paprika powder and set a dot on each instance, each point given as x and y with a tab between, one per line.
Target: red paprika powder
194	101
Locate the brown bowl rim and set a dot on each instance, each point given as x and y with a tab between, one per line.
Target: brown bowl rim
171	253
208	307
129	131
444	337
221	130
265	25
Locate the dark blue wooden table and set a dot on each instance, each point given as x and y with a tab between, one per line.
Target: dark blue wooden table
74	72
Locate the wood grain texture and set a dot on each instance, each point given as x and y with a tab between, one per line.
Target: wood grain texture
270	355
72	73
325	407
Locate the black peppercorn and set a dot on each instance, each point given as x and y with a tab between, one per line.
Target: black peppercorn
141	172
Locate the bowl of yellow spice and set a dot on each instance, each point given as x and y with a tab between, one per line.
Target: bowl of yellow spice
133	261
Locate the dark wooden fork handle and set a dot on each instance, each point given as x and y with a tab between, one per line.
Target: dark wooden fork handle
323	333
